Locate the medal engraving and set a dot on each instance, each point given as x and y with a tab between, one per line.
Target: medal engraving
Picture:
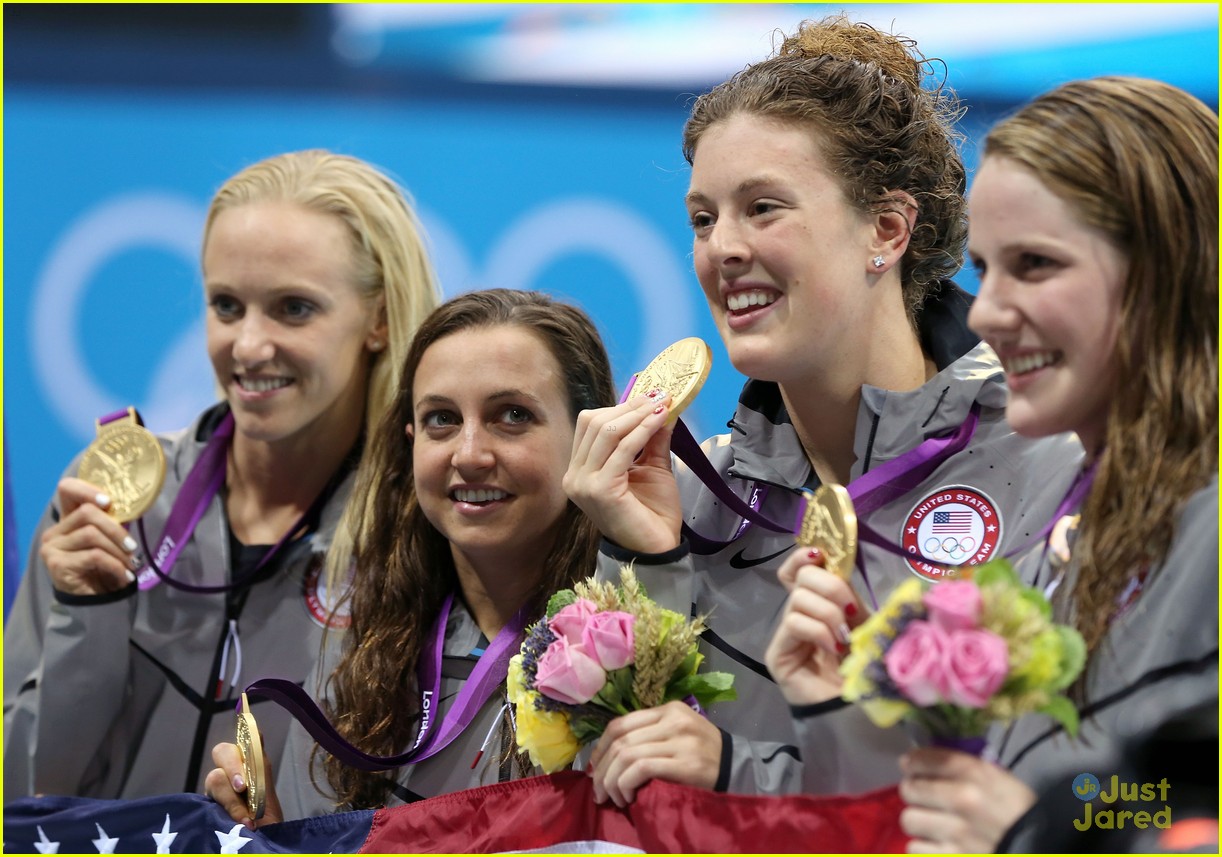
829	523
681	370
125	460
253	765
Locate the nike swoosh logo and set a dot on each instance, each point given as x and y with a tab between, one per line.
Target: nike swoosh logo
738	561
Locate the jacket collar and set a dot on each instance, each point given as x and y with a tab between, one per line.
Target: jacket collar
765	445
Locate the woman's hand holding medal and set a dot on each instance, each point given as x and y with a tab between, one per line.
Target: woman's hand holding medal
812	636
620	473
87	552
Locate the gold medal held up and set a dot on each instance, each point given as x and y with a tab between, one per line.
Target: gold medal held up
681	370
254	766
125	460
830	524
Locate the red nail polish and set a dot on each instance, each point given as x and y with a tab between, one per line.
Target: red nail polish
850	609
814	554
841	648
659	409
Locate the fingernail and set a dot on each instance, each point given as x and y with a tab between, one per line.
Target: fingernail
660	409
850	610
102	500
129	544
131	576
238	783
843	631
841	648
814	554
655	393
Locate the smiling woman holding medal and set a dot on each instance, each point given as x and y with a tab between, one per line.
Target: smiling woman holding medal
127	645
466	532
826	204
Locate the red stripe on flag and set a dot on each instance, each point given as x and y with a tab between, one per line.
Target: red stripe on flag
539	812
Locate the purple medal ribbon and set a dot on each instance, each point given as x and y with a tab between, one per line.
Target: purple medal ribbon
484	679
870	491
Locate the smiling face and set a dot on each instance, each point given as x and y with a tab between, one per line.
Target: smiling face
1049	302
779	251
491	437
288	332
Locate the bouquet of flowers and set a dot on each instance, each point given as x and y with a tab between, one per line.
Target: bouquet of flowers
602	651
961	654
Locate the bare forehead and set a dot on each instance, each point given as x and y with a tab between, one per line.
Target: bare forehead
502	356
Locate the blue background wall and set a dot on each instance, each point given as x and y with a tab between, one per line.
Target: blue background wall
121	122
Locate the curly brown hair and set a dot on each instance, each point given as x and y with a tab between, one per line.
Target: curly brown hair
1138	160
405	569
860	92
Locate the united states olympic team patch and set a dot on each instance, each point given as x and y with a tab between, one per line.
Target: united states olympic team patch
320	601
955	525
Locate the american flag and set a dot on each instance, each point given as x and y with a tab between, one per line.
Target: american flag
952	522
552	814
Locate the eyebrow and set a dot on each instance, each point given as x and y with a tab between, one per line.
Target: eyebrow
512	393
745	186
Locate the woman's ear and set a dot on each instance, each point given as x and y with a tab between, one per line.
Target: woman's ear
379	333
893	225
410	431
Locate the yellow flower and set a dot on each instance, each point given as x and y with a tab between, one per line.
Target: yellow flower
885	713
515	681
545	735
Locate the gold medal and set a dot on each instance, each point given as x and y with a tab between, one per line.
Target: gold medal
681	370
254	767
830	524
125	460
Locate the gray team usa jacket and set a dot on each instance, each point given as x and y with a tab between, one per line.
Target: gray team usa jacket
123	695
1002	489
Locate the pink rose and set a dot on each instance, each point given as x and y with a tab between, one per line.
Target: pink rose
916	662
567	674
978	664
609	639
571	621
954	605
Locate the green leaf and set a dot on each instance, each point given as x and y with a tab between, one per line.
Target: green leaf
1037	600
1060	709
587	729
706	687
997	571
559	601
621	679
1073	656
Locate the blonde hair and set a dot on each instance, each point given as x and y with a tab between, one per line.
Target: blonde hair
1138	160
390	261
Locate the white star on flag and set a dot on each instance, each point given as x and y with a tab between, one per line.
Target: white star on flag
45	845
165	837
233	841
105	844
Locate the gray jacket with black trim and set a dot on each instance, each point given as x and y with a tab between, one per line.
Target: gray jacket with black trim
1020	481
121	695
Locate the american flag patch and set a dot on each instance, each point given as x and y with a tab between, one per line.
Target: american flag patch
952	522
